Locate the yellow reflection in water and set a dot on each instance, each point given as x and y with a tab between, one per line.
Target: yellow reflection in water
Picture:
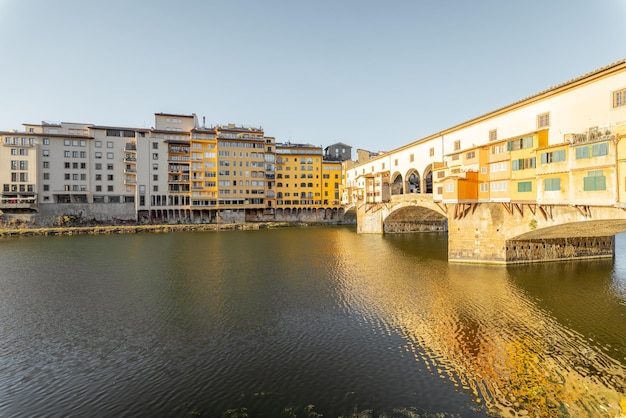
471	325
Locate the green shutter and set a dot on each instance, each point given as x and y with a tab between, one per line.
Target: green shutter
552	184
525	186
582	152
592	183
527	142
559	155
598	150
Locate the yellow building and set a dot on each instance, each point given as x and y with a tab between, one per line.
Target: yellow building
240	171
298	172
523	165
203	169
592	167
331	183
553	186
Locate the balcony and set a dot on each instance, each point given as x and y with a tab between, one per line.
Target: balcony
178	179
130	158
130	181
130	171
130	147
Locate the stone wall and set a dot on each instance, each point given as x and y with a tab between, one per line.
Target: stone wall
48	215
559	249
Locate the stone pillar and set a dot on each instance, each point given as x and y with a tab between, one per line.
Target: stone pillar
369	218
479	236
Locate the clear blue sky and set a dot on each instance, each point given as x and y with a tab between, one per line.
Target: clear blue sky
373	74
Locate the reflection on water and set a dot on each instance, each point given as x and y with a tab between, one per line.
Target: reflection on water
276	320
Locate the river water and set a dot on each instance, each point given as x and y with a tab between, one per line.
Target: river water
301	322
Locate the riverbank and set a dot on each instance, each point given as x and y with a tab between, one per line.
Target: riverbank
136	229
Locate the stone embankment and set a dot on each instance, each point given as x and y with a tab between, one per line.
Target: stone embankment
135	229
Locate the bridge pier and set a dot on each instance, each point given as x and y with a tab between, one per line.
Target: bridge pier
496	233
369	218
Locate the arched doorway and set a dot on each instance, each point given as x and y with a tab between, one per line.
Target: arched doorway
413	183
428	180
396	185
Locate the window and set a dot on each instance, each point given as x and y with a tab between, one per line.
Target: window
470	155
411	158
155	166
109	155
83	154
457	145
493	135
484	187
109	177
395	162
109	144
66	142
520	143
46	187
619	98
499	186
449	187
155	155
155	188
523	164
67	154
498	149
550	185
98	155
155	177
109	188
46	141
598	150
98	188
525	186
501	166
543	120
98	177
553	157
46	164
98	166
98	144
595	180
46	176
583	152
109	166
432	152
75	165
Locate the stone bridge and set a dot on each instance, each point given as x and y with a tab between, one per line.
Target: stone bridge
502	233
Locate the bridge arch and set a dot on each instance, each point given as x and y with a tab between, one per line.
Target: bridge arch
413	181
414	215
397	185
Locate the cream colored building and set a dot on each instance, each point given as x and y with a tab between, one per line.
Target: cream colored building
577	113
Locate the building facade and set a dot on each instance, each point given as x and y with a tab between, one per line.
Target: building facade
560	146
177	171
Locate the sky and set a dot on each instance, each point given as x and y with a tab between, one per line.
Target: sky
375	75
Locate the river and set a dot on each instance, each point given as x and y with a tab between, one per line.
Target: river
304	322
